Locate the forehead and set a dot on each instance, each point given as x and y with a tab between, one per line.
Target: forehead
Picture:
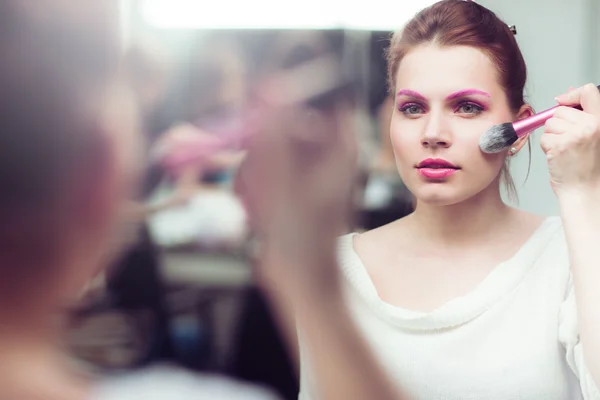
432	69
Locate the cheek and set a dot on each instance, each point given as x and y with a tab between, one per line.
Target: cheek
404	141
481	167
493	162
466	134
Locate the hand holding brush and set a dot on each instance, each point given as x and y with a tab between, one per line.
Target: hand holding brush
501	137
571	142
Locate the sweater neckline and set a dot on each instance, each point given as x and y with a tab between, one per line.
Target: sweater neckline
504	278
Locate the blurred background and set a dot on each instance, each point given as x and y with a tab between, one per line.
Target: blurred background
183	292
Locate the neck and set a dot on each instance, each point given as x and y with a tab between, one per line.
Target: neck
464	222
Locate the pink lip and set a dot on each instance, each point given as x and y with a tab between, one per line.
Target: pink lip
436	173
436	163
436	168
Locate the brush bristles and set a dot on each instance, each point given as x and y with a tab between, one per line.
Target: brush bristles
498	138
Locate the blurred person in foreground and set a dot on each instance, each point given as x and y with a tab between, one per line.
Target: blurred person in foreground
122	322
67	166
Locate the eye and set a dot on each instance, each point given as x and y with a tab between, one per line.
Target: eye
411	109
468	107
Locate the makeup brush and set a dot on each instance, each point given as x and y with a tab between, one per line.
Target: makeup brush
316	83
500	137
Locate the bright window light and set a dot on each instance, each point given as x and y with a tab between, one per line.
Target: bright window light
383	15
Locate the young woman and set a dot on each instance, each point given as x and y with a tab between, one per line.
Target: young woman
468	298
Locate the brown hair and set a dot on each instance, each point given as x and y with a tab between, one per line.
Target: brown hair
466	23
53	70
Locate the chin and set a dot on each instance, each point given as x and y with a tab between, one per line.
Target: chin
437	201
437	195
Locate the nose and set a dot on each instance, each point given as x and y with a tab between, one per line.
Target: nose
436	133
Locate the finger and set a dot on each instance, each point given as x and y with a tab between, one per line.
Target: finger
551	144
576	121
569	114
587	96
570	98
558	126
590	99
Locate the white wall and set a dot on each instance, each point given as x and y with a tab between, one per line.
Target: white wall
556	39
126	10
595	28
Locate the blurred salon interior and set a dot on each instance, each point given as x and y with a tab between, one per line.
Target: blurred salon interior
183	292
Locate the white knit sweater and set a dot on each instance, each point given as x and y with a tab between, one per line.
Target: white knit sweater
514	337
165	383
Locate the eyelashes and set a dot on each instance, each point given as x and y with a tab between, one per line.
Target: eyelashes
411	109
472	107
466	107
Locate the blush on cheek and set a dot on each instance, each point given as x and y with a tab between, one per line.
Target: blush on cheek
404	144
493	163
493	159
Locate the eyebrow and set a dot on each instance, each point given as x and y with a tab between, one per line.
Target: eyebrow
467	92
411	93
455	95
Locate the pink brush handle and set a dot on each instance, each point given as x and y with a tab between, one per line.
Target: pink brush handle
227	136
527	125
200	151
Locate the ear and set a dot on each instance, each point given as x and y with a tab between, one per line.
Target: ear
524	112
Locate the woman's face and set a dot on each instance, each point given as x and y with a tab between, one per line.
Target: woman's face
445	98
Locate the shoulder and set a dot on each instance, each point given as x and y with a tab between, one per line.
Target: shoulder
357	250
376	240
552	229
547	242
174	384
371	240
548	254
